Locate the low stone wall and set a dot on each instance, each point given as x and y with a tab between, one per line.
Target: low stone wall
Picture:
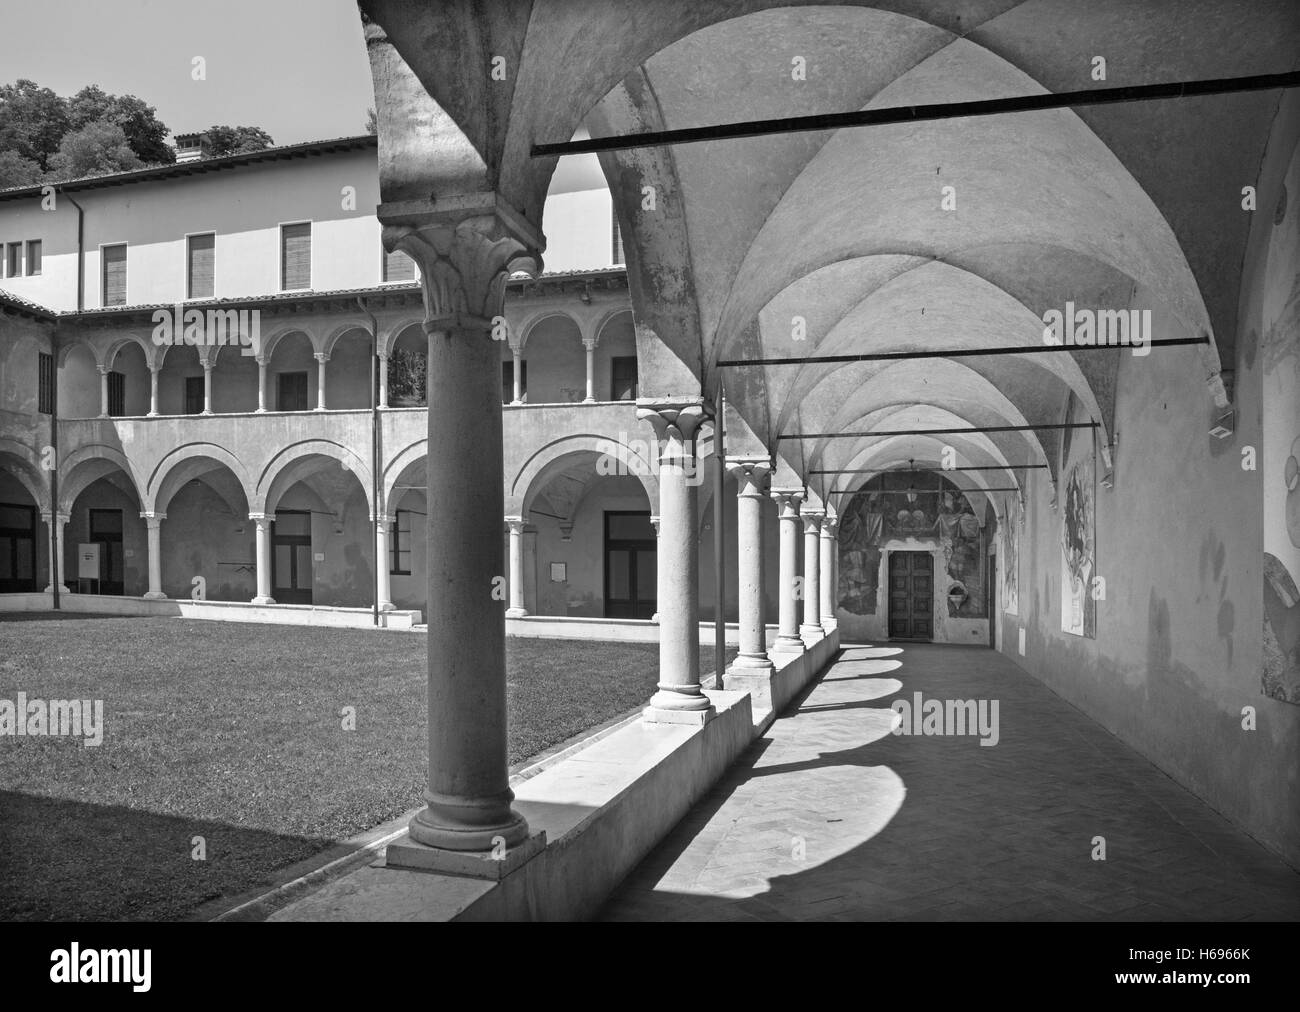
214	611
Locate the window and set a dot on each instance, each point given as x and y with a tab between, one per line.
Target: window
33	257
291	391
201	267
617	255
14	260
508	381
295	256
194	395
114	281
45	383
623	372
398	267
400	549
116	394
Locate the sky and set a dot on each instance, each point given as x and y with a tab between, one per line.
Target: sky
296	68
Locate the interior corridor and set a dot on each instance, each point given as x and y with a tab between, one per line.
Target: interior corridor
829	816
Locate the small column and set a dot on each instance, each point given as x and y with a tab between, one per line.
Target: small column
516	370
383	564
751	476
153	522
787	504
263	521
207	388
153	392
56	563
261	384
103	391
677	422
812	529
829	545
383	380
516	609
321	359
590	344
654	522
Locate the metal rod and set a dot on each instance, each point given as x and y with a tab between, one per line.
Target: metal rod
920	470
917	491
941	432
920	113
894	356
719	545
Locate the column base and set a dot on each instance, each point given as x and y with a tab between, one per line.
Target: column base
752	663
516	612
387	606
808	631
154	595
656	715
263	600
787	645
475	825
495	863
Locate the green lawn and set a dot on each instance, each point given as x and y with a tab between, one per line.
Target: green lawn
232	732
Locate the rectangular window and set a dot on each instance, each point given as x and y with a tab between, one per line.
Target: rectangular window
201	266
116	394
508	381
45	383
14	260
623	372
33	257
401	547
194	395
114	282
291	391
398	266
295	256
618	241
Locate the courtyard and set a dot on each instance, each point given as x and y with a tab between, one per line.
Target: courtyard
236	733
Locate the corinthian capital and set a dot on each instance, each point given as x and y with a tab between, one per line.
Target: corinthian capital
751	474
677	423
464	265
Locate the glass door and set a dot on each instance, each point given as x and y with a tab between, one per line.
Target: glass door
291	569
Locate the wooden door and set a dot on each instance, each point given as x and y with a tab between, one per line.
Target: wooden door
911	596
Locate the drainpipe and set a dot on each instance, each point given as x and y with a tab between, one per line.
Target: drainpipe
374	451
56	574
81	252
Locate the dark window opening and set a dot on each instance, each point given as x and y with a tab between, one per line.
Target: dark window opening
194	395
508	381
623	372
116	394
291	391
45	384
400	549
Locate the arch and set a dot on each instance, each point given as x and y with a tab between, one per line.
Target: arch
298	461
178	467
335	335
269	344
627	459
86	465
402	465
542	315
20	461
388	340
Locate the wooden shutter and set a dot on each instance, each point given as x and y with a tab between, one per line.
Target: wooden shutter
295	256
115	275
33	257
398	267
203	250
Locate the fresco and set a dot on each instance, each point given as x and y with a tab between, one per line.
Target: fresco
925	508
1009	559
1079	543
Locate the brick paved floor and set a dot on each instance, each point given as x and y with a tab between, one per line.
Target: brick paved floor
831	817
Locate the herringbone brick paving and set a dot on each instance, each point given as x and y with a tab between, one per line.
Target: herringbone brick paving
831	817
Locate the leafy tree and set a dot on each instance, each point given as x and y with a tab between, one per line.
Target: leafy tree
372	122
139	121
15	170
235	140
95	149
33	121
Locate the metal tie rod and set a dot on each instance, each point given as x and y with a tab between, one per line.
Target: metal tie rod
941	432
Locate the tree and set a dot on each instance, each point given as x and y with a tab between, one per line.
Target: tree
139	121
33	121
372	122
15	170
235	140
95	149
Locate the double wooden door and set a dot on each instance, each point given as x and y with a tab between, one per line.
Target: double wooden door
911	596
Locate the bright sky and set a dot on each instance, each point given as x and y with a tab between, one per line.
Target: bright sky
296	68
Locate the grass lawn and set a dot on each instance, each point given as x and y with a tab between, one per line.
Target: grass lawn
233	732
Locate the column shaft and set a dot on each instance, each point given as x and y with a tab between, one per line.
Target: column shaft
829	546
787	501
263	521
812	527
153	392
153	523
750	478
383	564
516	609
320	380
207	388
261	383
383	381
591	369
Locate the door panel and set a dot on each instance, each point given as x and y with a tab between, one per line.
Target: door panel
911	595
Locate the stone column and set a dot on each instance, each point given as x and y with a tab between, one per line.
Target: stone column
654	522
103	391
751	474
60	521
464	263
812	529
590	344
829	546
516	370
383	381
153	521
153	392
516	609
207	388
382	562
261	383
321	359
263	521
787	504
677	423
